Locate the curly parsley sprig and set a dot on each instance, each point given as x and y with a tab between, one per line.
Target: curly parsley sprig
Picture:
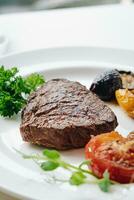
14	90
51	160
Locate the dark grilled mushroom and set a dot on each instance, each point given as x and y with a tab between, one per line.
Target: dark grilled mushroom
106	84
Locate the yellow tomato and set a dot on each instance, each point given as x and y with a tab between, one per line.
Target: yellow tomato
125	99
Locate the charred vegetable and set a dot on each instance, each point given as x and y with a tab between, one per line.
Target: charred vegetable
125	99
127	79
106	84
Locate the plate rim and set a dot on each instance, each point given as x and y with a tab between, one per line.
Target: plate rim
16	53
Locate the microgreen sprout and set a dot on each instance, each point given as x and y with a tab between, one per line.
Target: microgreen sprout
50	160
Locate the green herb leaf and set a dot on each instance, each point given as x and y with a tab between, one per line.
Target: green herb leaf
77	178
49	165
10	104
34	80
53	154
105	182
13	90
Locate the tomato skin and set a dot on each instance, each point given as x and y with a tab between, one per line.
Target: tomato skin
100	163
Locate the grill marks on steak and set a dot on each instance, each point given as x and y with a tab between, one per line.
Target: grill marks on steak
64	114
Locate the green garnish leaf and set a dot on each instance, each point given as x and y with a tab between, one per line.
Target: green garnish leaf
14	90
10	104
34	80
53	154
77	178
105	182
49	165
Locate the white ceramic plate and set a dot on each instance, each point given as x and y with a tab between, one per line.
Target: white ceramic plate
3	44
23	178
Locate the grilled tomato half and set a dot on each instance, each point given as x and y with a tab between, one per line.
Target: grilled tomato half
125	99
112	152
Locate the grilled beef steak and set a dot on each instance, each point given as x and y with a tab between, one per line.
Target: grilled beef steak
64	114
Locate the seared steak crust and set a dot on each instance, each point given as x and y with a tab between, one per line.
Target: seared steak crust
63	114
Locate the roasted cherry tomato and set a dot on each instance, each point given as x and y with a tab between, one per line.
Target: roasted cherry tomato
112	152
125	99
